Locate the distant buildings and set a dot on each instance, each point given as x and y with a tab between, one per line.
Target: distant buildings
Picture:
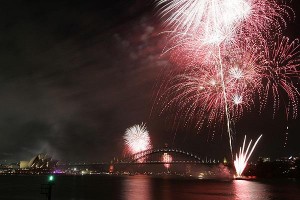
40	161
39	164
284	167
261	159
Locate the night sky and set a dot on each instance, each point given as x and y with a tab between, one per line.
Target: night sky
75	74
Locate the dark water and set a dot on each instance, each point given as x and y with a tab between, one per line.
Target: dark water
146	188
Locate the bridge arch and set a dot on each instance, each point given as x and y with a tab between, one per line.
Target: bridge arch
144	154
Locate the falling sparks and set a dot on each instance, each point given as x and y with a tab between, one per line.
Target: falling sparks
286	137
280	67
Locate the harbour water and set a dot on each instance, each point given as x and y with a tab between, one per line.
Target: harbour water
142	187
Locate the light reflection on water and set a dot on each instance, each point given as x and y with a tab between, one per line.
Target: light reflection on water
147	188
137	187
244	189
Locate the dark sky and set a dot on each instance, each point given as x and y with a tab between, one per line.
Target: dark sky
75	74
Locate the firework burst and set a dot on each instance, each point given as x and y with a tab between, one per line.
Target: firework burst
200	29
137	139
198	91
215	21
280	67
262	73
228	54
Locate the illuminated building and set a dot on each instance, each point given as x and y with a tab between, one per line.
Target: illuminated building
40	161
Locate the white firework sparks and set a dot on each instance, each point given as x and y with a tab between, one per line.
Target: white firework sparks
214	20
241	160
137	138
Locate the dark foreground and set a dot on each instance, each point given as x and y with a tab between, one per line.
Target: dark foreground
145	188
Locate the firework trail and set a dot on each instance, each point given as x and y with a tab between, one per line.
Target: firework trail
137	139
244	154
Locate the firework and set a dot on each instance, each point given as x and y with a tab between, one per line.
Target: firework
265	72
244	154
280	67
137	139
167	159
198	91
215	21
200	29
221	77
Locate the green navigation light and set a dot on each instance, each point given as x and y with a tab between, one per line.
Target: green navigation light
51	178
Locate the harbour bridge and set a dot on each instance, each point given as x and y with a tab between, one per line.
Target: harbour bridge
159	159
156	156
155	161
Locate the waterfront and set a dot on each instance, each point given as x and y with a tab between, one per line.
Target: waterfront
141	187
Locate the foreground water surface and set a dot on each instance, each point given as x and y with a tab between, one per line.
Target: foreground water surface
145	188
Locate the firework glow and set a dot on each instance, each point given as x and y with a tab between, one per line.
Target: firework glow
242	158
137	139
167	159
229	57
